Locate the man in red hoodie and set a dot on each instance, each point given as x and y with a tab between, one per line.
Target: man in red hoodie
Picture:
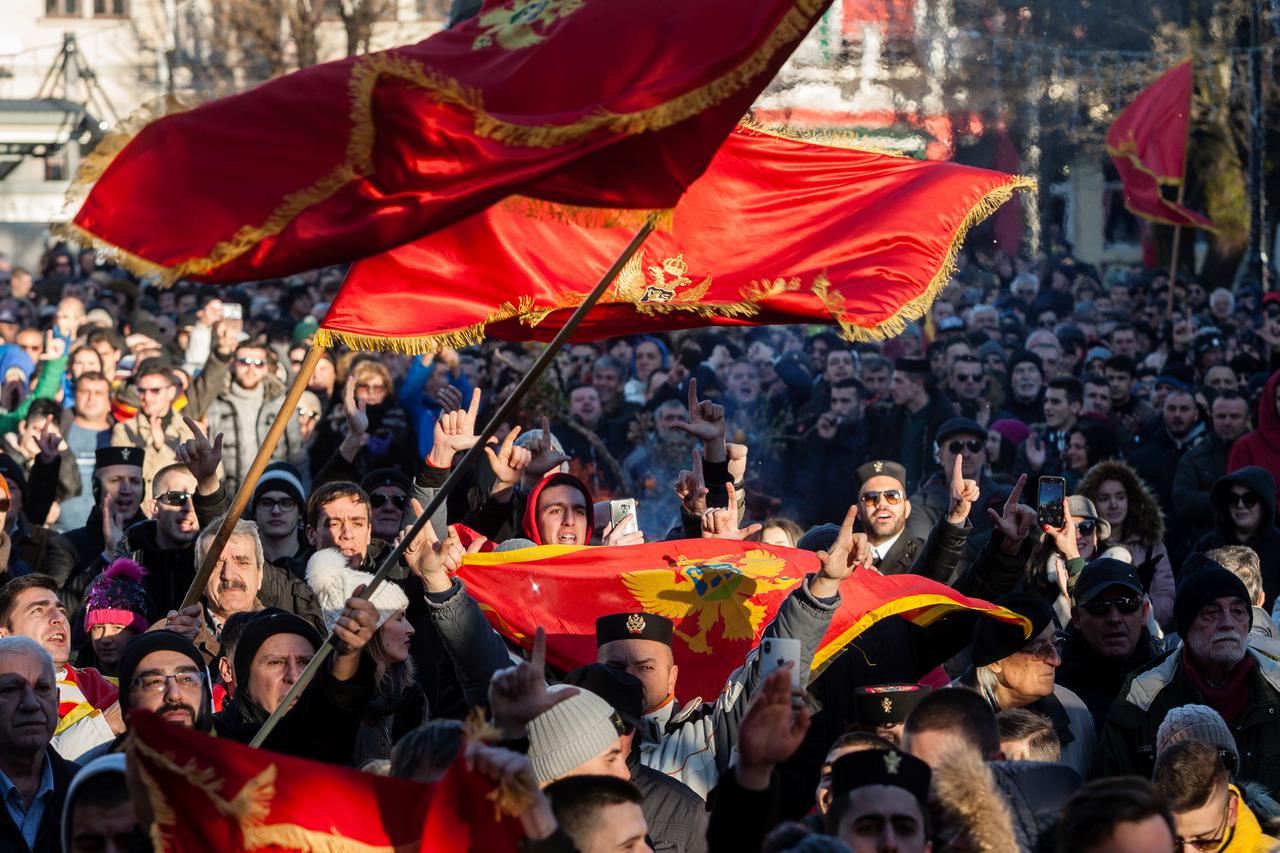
1262	446
559	511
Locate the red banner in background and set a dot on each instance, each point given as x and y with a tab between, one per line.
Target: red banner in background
777	230
211	794
1148	144
617	104
721	594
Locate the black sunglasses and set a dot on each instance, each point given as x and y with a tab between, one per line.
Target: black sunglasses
1086	527
1248	500
972	445
380	500
174	498
1127	605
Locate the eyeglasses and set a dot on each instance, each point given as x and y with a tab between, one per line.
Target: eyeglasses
173	498
380	500
1247	500
1086	527
251	362
892	497
309	414
1045	649
157	683
1127	604
282	504
155	389
969	377
972	445
365	386
1215	842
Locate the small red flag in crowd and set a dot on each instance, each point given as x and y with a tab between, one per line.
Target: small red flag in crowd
617	104
776	231
721	594
211	794
1148	144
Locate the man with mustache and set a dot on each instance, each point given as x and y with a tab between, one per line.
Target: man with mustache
1215	666
164	673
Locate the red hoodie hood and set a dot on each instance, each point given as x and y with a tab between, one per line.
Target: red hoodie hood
529	523
1268	422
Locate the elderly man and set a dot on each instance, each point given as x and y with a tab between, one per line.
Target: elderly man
1108	637
33	778
1214	666
87	710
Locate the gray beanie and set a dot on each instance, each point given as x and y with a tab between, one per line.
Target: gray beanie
1195	722
569	734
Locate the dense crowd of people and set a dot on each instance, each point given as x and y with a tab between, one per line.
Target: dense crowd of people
1138	713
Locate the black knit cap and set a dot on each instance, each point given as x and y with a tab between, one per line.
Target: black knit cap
881	767
163	641
265	624
994	640
280	477
633	626
619	688
1201	582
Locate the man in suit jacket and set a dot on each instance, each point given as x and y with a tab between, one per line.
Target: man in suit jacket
33	778
883	509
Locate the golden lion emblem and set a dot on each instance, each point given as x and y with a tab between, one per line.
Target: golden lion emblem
522	23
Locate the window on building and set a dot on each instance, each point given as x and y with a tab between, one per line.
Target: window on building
55	166
62	8
111	8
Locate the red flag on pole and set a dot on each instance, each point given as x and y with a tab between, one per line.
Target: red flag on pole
1148	144
211	794
721	594
777	230
617	104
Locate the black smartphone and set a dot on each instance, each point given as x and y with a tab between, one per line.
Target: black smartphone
1050	494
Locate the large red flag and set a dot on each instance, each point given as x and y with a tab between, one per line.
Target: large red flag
777	230
721	594
211	794
614	104
1148	144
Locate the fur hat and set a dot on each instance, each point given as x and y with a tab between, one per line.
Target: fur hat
334	582
118	597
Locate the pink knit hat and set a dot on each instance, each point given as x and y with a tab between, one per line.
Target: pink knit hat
117	597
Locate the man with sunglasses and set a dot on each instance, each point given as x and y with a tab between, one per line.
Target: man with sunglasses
1209	812
388	491
1214	666
1244	514
966	440
1108	636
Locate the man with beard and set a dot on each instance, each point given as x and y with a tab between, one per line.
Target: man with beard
162	672
1215	666
1108	637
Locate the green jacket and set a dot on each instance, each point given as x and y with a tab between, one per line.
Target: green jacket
1129	736
49	380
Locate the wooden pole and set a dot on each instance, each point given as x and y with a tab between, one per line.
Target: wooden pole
460	470
1173	259
260	462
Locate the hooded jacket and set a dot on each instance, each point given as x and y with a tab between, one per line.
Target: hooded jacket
529	518
1203	465
1262	446
1142	533
1265	542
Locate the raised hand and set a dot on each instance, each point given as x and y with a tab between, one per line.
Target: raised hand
706	423
354	409
772	729
737	456
850	551
201	457
617	534
1016	521
49	442
827	426
1037	451
156	427
113	524
356	624
455	429
691	488
519	693
449	398
722	522
509	462
964	493
185	622
545	457
226	335
1064	538
54	347
429	558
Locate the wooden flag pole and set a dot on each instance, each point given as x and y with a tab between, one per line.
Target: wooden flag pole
1173	260
460	470
260	462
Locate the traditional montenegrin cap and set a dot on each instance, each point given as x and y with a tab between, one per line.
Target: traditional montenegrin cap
1103	573
570	733
633	626
887	704
106	456
620	689
334	582
882	468
1195	722
117	597
994	640
880	767
1203	581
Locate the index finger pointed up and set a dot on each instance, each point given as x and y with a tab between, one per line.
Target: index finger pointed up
196	432
693	398
697	467
1016	493
539	657
473	410
957	471
846	526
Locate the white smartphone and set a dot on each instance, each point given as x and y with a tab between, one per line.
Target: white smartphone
624	508
774	652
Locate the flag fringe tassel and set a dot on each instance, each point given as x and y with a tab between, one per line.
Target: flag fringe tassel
359	155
